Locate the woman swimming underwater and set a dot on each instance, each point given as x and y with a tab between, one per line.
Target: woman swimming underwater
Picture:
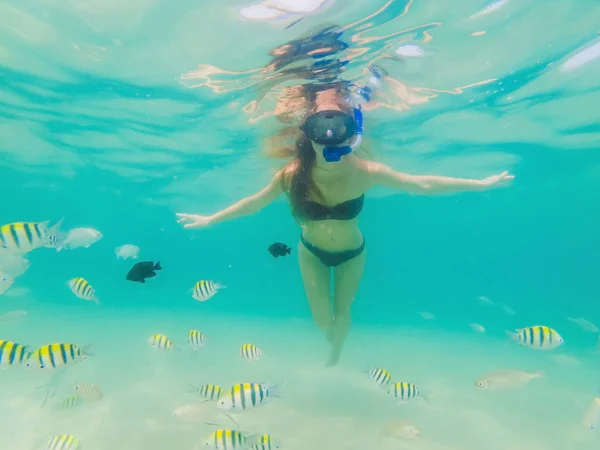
326	185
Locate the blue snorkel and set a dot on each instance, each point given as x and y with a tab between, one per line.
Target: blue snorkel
363	95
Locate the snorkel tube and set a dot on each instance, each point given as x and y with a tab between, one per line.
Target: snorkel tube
362	96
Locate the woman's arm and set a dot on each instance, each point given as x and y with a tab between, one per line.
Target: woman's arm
244	207
383	175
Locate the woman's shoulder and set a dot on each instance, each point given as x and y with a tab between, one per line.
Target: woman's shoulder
362	164
284	175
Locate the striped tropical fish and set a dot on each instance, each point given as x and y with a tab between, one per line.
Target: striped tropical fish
250	352
12	354
87	391
72	402
196	339
264	442
83	290
208	391
381	376
23	237
245	396
161	342
55	356
223	439
63	442
204	290
538	337
404	391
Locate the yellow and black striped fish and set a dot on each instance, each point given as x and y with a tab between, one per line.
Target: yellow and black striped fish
226	440
196	339
381	376
23	237
63	442
537	337
404	391
55	356
208	391
12	354
250	352
87	391
244	396
264	442
161	342
205	289
72	402
82	289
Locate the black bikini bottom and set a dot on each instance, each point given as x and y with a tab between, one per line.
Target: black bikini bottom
332	259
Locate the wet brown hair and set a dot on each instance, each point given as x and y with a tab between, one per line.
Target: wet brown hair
297	177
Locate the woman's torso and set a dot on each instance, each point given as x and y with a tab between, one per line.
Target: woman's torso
342	190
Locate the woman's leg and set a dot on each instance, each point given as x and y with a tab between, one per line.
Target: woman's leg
347	277
315	276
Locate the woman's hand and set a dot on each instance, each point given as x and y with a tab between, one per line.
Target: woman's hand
497	180
195	221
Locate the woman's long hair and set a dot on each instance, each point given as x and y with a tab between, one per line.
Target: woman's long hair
297	178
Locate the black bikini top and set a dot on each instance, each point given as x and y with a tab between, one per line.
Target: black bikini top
342	211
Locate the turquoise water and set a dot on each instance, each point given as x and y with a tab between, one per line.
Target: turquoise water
107	123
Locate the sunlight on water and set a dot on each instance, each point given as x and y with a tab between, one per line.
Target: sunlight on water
482	306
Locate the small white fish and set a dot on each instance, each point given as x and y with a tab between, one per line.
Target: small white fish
17	292
508	310
83	290
127	251
537	337
485	301
565	360
5	282
591	419
501	380
12	315
585	325
205	289
426	315
199	412
80	237
400	429
477	327
13	265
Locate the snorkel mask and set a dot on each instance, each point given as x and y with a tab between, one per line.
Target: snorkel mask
334	128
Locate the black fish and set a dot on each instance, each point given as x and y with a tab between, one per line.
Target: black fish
142	270
278	249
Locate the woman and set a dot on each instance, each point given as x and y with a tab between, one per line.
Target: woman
325	184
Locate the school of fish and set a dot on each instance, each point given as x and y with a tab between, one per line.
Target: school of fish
20	238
